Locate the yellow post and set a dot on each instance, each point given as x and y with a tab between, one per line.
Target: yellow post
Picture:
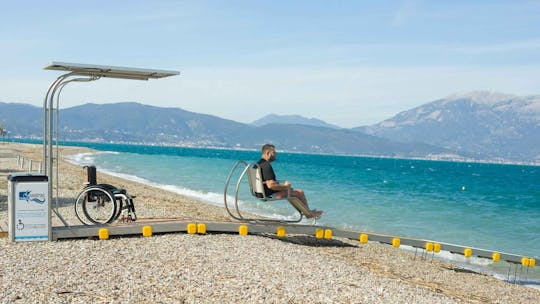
191	228
319	233
328	234
496	257
467	252
147	231
396	242
280	231
201	228
364	238
243	230
103	234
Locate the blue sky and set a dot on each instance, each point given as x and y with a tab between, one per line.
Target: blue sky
349	63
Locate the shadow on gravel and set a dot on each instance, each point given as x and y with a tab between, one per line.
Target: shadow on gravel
462	270
3	202
10	171
310	241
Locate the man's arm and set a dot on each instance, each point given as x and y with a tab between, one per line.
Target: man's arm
274	185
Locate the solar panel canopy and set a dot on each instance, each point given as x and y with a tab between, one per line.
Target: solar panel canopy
109	71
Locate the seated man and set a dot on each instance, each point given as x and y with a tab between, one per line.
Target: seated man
272	187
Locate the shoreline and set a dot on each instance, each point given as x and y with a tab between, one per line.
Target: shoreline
295	269
435	159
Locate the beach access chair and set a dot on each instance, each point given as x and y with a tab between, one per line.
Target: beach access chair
100	204
256	186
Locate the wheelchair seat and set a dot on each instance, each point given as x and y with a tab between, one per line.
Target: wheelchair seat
257	189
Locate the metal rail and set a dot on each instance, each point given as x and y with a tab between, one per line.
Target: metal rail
183	226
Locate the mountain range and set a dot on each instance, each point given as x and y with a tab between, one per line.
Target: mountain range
481	125
478	125
293	120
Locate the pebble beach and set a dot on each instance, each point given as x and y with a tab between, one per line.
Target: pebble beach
217	268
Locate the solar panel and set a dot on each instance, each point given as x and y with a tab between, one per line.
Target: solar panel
109	71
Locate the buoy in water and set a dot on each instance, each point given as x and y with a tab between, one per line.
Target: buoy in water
462	188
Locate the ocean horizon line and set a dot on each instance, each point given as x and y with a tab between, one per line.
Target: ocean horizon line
90	144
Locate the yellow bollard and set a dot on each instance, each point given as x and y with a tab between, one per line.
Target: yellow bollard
147	231
532	262
524	262
201	228
328	234
364	238
319	233
191	228
396	242
437	247
280	231
496	257
429	247
467	252
103	234
243	230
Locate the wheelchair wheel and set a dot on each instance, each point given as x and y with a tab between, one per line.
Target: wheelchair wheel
79	211
98	205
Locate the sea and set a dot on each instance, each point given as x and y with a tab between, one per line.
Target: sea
489	206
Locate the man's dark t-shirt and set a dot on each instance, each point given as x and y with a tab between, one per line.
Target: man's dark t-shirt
267	174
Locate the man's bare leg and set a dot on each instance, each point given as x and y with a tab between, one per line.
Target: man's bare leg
299	193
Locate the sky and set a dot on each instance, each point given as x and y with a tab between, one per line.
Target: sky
349	63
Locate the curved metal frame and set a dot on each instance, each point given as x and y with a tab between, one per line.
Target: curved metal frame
129	206
48	127
239	215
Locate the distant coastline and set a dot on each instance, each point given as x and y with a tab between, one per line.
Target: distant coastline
439	158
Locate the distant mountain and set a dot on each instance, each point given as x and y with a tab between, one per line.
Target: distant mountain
484	125
478	125
20	118
292	119
137	123
303	138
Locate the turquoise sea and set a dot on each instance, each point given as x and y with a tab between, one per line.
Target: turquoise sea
489	206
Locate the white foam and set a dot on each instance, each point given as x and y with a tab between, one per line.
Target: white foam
86	158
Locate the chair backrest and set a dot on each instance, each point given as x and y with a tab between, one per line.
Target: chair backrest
255	181
91	179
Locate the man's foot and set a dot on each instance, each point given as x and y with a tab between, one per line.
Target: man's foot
315	214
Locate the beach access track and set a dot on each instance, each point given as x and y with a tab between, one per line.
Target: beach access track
149	227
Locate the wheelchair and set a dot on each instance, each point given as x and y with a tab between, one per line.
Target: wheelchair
101	204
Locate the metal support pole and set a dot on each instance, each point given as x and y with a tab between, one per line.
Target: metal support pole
48	131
